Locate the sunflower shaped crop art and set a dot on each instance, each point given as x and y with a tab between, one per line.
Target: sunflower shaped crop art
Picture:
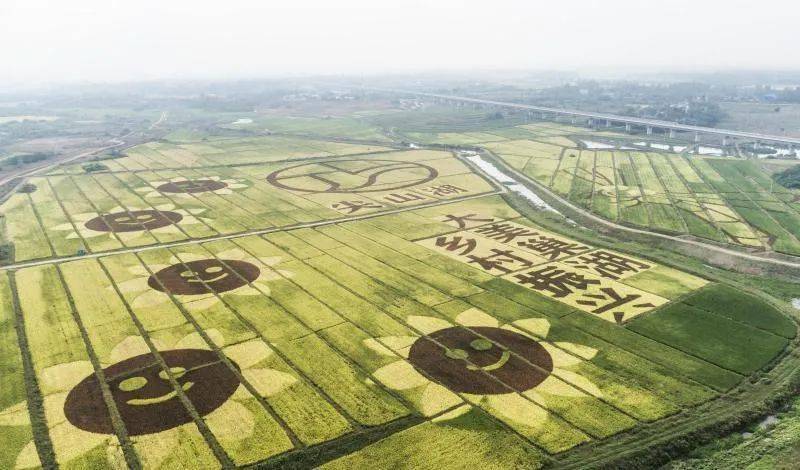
503	366
195	280
130	223
187	187
148	404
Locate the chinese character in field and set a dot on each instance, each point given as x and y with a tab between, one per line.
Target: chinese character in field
467	245
398	198
610	299
350	207
504	232
444	189
607	264
462	220
551	248
498	259
558	282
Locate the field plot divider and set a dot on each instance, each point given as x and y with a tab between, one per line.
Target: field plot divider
264	231
467	300
67	214
205	432
769	191
171	200
705	179
544	315
39	222
120	430
117	201
495	419
400	320
96	209
588	333
292	436
594	181
642	190
558	167
273	346
766	212
145	204
253	216
667	192
34	397
285	198
681	350
616	183
421	334
340	353
683	179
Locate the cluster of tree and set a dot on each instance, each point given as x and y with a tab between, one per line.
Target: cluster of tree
758	150
693	113
94	167
26	158
27	188
788	178
6	253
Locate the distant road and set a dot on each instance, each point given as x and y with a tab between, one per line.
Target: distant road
161	119
613	118
47	165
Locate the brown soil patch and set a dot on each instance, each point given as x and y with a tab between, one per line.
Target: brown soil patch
204	276
191	186
488	362
146	401
133	221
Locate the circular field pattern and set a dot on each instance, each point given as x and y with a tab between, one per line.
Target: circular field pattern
470	361
192	186
146	400
202	276
352	176
133	221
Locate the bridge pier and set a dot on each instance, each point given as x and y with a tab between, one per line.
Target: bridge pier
725	141
628	127
649	130
672	133
608	123
696	137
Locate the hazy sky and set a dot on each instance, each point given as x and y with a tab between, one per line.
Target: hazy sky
109	40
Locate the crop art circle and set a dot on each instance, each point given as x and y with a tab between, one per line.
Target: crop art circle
145	397
483	360
133	221
203	276
192	186
352	176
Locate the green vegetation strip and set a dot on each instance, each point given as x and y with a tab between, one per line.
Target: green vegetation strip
116	420
41	437
738	306
714	338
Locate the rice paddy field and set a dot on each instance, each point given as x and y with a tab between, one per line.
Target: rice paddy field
723	200
294	303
